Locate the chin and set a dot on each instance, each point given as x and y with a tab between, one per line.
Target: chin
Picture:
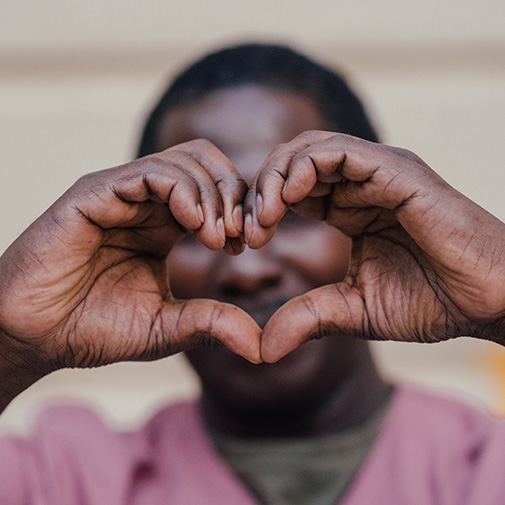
296	382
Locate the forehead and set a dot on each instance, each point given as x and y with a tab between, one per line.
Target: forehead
243	122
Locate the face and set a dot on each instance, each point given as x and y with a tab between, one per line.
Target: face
246	123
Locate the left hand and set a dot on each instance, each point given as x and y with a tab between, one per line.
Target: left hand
427	263
87	283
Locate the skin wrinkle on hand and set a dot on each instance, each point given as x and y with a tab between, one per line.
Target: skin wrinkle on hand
188	181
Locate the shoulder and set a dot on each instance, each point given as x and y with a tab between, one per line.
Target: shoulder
440	413
439	428
72	448
433	449
85	431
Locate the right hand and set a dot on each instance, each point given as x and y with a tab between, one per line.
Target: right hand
87	283
427	263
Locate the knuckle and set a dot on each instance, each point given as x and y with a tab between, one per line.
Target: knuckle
152	163
85	179
307	135
305	162
405	153
177	157
241	186
201	144
278	149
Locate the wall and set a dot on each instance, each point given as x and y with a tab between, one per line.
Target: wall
77	77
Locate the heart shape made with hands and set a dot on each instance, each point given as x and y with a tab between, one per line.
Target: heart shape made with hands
310	315
302	318
279	183
388	199
103	244
100	263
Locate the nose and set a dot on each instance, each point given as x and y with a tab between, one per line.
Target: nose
249	273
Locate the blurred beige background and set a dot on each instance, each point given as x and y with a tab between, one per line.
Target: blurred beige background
76	79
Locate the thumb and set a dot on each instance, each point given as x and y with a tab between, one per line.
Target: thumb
186	324
334	309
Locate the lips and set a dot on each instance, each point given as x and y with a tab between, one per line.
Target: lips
261	311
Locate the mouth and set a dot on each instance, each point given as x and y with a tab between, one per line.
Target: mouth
262	311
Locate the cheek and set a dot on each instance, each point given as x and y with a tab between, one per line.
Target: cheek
320	253
189	266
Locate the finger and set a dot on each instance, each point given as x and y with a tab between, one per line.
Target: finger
331	310
352	221
273	175
212	232
118	207
255	234
193	323
357	221
227	179
264	205
115	196
364	173
327	161
310	172
312	208
321	189
234	245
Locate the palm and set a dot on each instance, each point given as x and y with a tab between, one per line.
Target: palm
123	299
87	284
393	291
427	264
401	291
104	285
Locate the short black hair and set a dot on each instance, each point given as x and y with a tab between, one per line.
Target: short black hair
273	66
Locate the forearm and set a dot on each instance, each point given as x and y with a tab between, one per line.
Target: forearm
19	369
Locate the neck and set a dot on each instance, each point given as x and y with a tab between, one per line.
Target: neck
349	403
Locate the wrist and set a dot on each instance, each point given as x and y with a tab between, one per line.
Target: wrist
492	331
20	367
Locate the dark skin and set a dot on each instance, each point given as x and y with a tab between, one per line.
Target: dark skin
416	241
323	387
86	284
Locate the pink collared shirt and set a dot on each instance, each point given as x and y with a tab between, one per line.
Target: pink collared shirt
430	450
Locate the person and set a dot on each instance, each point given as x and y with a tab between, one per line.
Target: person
262	221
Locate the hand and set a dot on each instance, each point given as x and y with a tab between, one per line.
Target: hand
86	284
427	263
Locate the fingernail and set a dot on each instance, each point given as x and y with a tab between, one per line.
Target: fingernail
284	188
247	228
259	206
220	228
254	362
199	211
238	218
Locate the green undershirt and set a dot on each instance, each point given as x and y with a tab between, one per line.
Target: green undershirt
301	471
